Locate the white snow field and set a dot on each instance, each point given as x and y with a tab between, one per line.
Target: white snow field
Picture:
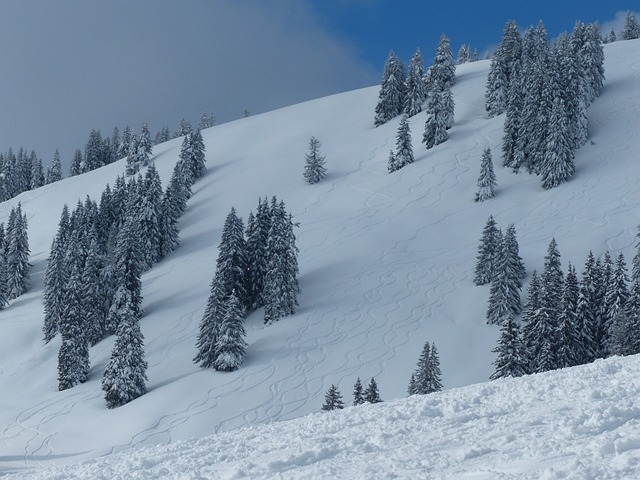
580	423
386	263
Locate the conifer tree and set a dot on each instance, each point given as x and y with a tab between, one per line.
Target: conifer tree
358	393
487	179
557	165
371	394
18	265
512	123
502	69
125	376
416	88
631	29
427	377
616	297
487	251
230	344
92	294
412	389
229	280
392	164
404	149
314	169
77	164
280	282
443	70
569	332
172	207
73	356
257	234
512	357
54	173
149	218
333	400
529	319
587	313
391	99
55	279
435	128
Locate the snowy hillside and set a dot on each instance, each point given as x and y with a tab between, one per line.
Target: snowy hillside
580	423
386	263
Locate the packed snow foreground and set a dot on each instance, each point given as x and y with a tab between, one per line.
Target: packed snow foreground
581	422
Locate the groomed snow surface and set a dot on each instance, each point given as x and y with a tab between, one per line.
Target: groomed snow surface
386	263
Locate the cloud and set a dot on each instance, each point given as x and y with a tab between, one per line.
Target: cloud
73	65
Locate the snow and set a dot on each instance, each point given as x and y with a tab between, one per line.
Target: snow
386	264
581	423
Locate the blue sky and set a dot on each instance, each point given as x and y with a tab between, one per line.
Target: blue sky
69	66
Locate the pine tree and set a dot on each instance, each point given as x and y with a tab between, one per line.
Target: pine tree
230	344
392	164
616	296
257	234
404	149
512	357
18	265
92	293
587	313
125	376
184	128
435	128
55	279
631	29
358	393
487	251
314	169
391	99
77	164
569	332
512	122
529	319
333	400
427	377
487	179
557	166
371	394
416	88
73	356
229	280
501	70
280	281
149	218
54	173
443	70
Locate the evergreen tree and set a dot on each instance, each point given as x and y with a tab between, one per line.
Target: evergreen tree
443	70
92	294
314	169
55	279
427	377
125	144
435	128
416	88
371	394
172	207
391	99
512	357
37	173
631	29
77	164
94	151
280	281
358	393
184	128
73	356
392	164
207	120
257	235
557	166
125	376
230	345
529	319
404	149
229	281
54	173
4	294
569	332
502	69
612	36
487	180
149	213
616	296
487	251
333	400
512	123
18	265
412	389
587	313
603	317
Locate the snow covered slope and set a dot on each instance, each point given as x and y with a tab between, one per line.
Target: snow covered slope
580	423
386	263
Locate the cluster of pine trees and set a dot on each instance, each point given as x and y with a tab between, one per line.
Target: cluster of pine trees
256	267
567	321
499	263
14	257
631	29
92	284
333	397
466	54
545	91
407	97
428	377
20	172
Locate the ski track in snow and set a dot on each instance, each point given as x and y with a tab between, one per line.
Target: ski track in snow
400	284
